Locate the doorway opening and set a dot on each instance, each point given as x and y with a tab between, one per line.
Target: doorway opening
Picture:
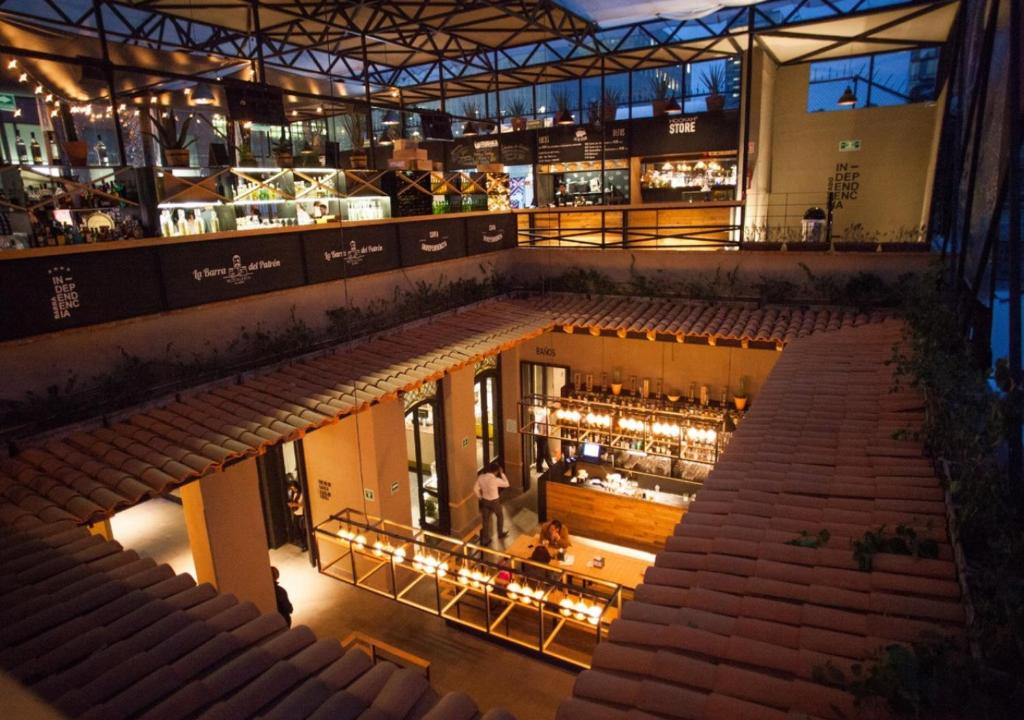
546	381
284	493
428	481
487	414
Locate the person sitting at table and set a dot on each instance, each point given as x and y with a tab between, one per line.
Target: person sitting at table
541	555
555	534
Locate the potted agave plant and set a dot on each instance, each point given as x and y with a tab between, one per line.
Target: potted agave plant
354	124
518	109
714	83
563	108
282	149
610	104
172	138
75	150
661	90
739	398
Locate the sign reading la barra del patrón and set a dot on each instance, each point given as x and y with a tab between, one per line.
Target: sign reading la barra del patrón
431	240
340	253
46	294
487	233
196	273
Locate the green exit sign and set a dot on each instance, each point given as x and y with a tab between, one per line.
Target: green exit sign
7	102
849	145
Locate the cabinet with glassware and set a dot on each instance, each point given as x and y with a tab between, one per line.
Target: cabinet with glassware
50	205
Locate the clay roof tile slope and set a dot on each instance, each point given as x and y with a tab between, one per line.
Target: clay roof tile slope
98	633
732	620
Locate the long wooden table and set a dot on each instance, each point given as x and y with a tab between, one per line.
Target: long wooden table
618	568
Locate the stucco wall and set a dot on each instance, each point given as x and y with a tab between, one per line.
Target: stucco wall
890	170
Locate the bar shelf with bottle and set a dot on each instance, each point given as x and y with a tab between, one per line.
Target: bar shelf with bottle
49	205
195	202
689	178
683	434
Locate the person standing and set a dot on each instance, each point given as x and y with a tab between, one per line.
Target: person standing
298	511
488	490
284	605
540	437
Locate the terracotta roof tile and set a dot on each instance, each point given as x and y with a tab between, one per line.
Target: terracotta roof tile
757	612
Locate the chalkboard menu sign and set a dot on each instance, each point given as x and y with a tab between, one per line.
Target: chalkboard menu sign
515	149
488	233
202	272
582	143
47	294
431	240
339	253
678	134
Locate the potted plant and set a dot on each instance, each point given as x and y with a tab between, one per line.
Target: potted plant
354	125
518	109
173	139
76	151
471	111
714	83
594	114
563	108
610	104
739	398
282	149
661	89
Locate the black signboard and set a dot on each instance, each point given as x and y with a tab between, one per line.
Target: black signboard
47	294
340	253
517	148
202	272
431	240
488	233
468	152
582	143
679	134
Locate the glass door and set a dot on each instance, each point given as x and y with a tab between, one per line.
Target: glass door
545	381
487	411
425	454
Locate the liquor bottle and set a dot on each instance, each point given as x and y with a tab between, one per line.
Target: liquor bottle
20	145
101	152
37	150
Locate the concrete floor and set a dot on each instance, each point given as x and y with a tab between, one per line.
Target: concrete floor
492	674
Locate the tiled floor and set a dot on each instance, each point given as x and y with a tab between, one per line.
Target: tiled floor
491	674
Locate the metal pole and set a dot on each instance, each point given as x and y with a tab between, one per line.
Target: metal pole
108	71
748	74
258	35
1016	451
369	107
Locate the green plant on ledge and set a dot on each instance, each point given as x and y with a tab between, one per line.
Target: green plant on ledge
904	542
811	541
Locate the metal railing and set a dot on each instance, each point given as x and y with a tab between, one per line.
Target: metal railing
379	651
552	611
676	226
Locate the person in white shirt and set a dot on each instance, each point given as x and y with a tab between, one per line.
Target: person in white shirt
487	489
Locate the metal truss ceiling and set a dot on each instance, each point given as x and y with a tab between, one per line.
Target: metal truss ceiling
462	47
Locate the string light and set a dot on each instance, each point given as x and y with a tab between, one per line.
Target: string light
23	78
12	64
39	89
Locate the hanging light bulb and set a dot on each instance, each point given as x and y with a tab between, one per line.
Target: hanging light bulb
12	64
23	78
848	98
39	89
48	98
17	112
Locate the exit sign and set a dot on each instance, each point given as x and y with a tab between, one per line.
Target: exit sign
7	102
849	145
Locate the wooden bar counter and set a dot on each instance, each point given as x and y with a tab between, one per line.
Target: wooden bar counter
619	519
